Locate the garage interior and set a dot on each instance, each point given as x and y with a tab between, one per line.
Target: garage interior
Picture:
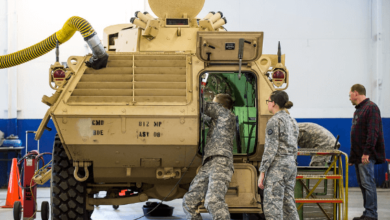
328	46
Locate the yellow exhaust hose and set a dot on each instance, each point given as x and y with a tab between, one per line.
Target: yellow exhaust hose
72	25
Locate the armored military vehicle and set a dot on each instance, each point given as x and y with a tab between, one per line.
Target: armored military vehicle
128	115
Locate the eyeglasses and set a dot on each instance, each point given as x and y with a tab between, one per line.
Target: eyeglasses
266	101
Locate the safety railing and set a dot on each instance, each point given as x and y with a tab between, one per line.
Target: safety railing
340	193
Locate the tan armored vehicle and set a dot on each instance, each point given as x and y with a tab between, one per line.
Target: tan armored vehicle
128	115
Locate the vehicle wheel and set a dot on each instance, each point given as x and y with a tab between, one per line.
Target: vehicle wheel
67	194
17	210
45	210
115	207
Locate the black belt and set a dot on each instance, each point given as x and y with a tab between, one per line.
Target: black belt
208	159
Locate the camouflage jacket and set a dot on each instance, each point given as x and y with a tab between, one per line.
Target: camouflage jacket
1	138
315	136
221	133
281	140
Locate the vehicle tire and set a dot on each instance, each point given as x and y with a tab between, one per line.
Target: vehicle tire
67	194
17	210
45	210
115	207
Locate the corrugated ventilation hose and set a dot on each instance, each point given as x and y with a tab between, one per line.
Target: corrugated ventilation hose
73	24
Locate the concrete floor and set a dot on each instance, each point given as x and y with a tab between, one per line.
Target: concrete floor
133	211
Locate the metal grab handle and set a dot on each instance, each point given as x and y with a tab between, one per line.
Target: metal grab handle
240	55
335	144
76	170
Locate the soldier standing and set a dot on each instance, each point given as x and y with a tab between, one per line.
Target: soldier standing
278	169
315	136
213	178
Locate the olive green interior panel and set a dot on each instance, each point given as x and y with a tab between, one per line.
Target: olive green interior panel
243	89
243	93
224	46
247	129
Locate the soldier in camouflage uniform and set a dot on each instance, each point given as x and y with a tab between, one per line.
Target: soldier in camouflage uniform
217	84
316	137
1	138
278	168
213	178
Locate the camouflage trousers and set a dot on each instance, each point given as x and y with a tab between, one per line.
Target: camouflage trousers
211	183
279	202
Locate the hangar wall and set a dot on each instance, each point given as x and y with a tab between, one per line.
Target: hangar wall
329	46
24	23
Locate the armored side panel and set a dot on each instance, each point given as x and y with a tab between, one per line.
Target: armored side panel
137	113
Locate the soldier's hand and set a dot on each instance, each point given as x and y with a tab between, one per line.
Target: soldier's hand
261	181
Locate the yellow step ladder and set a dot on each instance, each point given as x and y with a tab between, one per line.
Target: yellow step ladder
340	199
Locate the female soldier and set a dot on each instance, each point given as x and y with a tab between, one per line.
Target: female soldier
278	167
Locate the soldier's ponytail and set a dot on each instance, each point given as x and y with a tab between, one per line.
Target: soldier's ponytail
281	98
288	105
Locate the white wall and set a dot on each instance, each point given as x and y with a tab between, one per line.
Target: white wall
38	20
3	50
386	59
329	45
